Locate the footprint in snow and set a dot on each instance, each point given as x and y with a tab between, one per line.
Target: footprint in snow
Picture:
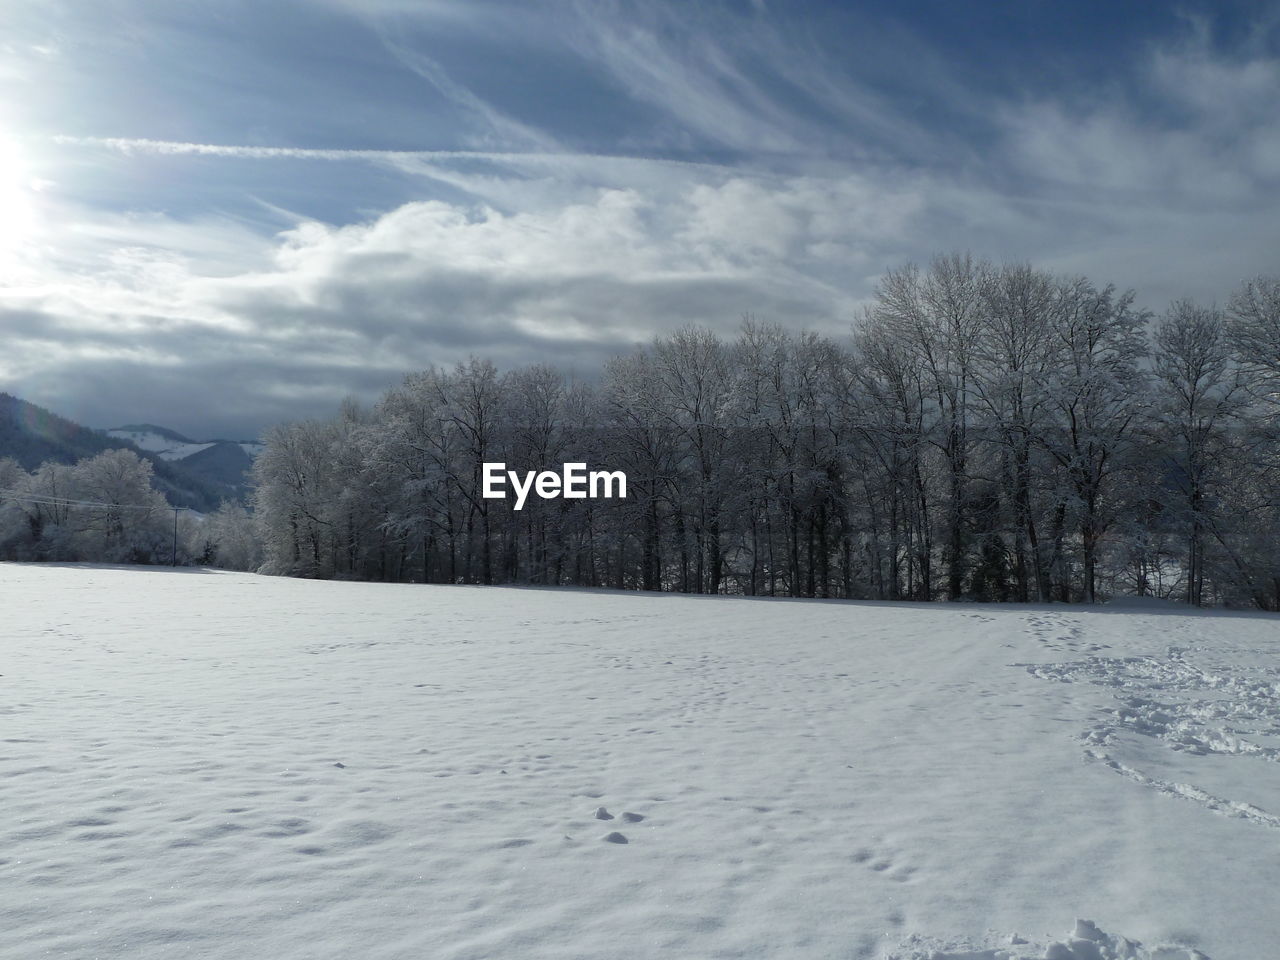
627	816
614	837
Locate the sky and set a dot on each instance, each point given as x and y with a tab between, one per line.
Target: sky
218	216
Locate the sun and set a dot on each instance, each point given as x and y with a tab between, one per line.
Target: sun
17	197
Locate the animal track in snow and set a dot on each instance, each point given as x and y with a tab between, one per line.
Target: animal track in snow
514	842
1190	705
1228	808
1057	632
883	863
627	816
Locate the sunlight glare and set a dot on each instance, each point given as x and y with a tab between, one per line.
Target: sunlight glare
17	202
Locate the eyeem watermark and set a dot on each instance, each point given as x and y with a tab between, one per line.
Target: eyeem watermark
572	483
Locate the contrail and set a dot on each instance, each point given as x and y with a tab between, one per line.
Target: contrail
178	148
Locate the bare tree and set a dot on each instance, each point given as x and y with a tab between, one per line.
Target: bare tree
1199	397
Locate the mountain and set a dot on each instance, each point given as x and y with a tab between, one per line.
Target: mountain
222	462
164	443
32	435
171	445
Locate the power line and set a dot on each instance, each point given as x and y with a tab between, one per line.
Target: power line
56	501
49	500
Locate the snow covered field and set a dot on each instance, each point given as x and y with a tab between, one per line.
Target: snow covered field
230	766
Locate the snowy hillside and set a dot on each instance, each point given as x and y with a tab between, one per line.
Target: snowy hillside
222	462
164	443
224	766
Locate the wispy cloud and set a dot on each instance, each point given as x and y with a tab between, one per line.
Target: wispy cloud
729	82
499	127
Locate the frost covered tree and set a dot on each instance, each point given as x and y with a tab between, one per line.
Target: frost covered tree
887	402
1253	327
13	520
1014	354
294	498
643	448
231	531
127	519
935	316
101	509
1199	397
693	370
1099	395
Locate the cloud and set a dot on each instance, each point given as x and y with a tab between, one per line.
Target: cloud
760	84
428	282
500	128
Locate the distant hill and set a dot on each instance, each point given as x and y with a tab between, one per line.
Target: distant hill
32	435
147	436
223	462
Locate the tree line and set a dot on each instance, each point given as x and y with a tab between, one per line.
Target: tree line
987	432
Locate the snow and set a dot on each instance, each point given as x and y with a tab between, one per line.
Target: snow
167	448
163	447
1085	942
219	765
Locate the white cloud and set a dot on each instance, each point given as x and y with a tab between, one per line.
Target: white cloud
1201	128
